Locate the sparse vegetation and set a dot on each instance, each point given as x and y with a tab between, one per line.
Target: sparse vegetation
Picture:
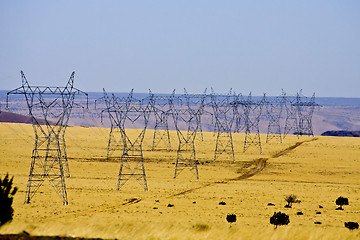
351	225
231	218
279	219
290	200
341	201
7	193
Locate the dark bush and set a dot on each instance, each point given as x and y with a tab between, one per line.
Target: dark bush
299	213
231	218
351	225
318	223
341	201
321	206
170	205
318	212
6	199
279	219
271	204
222	203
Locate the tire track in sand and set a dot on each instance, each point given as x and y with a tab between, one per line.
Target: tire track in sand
98	209
259	163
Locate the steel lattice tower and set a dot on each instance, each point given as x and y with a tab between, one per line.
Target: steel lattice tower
238	114
274	109
224	117
291	121
49	158
192	101
115	142
124	113
251	113
187	123
161	109
305	109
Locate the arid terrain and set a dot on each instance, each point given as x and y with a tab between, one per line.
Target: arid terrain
316	169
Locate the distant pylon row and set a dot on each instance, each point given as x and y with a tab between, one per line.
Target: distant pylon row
230	113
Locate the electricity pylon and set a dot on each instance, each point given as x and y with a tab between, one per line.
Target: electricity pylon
160	107
186	117
49	158
223	113
251	114
274	109
125	113
292	120
305	109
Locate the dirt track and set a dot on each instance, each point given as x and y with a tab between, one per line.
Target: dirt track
259	165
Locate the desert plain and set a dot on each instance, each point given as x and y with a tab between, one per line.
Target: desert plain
316	169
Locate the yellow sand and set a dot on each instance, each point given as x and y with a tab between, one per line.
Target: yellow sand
317	171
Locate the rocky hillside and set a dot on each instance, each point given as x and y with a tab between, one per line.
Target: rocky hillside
342	133
16	118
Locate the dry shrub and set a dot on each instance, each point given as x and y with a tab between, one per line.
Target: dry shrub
6	199
279	219
290	200
351	225
341	201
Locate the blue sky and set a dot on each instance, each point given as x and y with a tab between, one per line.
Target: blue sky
257	46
